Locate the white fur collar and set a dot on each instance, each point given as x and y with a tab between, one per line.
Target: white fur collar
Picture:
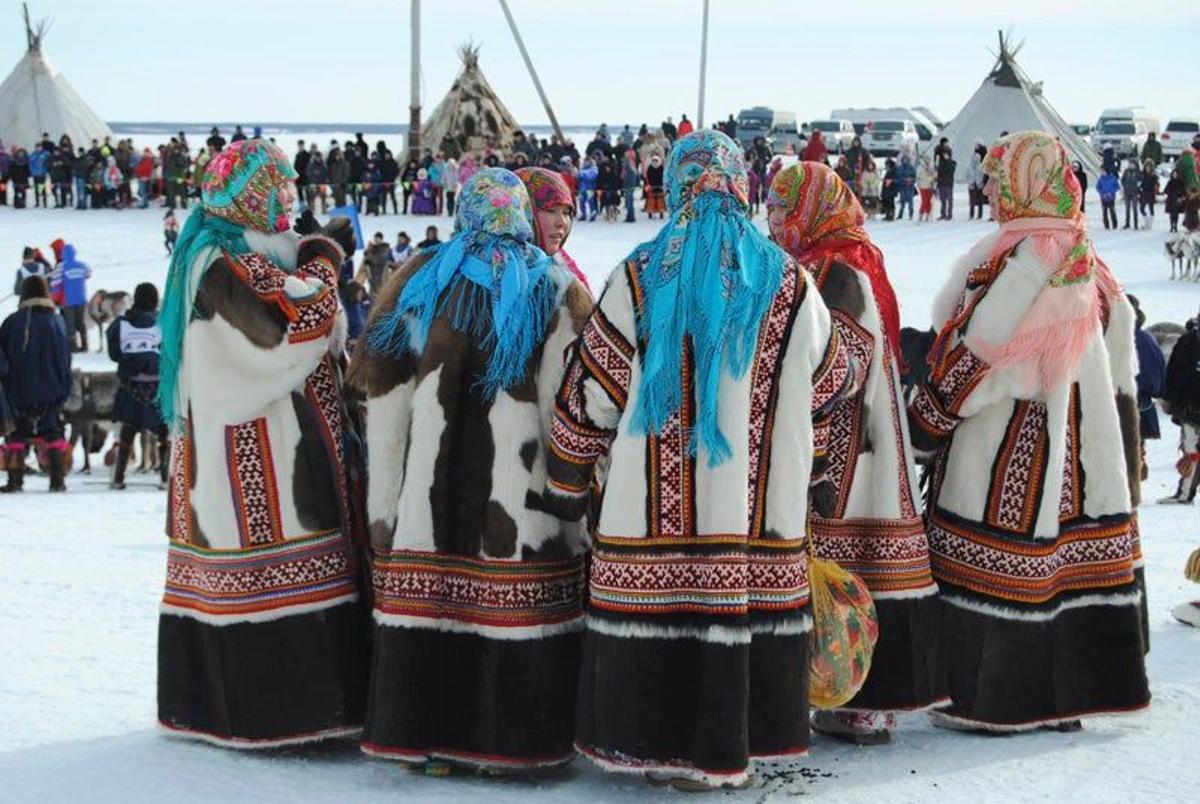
281	247
946	301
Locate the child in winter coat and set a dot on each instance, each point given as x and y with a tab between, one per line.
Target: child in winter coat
655	202
1174	201
1107	187
755	182
1131	190
1148	192
170	231
906	186
887	193
926	179
872	189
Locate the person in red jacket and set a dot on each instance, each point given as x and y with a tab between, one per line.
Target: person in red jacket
685	126
816	150
144	172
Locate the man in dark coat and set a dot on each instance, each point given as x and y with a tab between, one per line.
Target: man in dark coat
37	380
134	340
1181	398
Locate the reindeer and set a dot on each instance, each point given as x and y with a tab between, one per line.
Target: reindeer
104	308
1174	248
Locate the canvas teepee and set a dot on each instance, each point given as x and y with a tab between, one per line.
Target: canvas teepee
471	116
1009	101
36	98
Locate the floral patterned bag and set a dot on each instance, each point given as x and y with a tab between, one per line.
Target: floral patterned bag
845	629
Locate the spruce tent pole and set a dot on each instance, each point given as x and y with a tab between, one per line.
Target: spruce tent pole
414	108
703	67
532	72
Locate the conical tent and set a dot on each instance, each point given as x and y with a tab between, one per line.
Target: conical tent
37	99
471	116
1009	101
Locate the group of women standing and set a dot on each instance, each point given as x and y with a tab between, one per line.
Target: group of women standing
588	524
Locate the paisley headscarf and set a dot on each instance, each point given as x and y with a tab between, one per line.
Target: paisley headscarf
709	277
825	224
503	286
1037	200
240	189
547	190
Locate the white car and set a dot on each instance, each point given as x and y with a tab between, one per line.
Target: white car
1178	134
838	134
1125	137
890	137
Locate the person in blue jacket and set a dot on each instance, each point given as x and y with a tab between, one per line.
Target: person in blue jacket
906	186
74	275
1151	378
39	169
37	379
134	341
588	176
1107	187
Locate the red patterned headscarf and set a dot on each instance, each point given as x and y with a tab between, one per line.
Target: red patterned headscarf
547	189
823	224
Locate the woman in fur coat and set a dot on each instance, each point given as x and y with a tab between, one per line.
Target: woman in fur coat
260	636
478	614
872	524
705	377
1030	414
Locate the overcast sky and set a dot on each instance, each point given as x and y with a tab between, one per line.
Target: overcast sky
604	60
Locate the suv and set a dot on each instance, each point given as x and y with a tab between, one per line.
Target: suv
1178	134
1125	137
889	137
838	134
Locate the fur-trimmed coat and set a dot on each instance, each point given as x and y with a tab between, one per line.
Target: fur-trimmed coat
450	472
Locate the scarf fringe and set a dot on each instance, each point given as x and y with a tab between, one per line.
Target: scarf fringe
439	290
710	279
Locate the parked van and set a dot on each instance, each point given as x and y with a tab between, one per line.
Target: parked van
1126	137
925	126
1178	134
890	137
771	125
1138	114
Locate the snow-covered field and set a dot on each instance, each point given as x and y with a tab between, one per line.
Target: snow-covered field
81	575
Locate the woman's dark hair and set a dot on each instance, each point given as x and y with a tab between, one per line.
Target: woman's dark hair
145	297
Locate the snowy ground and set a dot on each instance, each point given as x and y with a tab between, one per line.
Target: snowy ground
77	637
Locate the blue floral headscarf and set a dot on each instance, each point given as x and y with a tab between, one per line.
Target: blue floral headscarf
503	286
710	276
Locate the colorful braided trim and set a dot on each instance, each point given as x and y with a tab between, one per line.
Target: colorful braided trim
1093	556
440	590
270	579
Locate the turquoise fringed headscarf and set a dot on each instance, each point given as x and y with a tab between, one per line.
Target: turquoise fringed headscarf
239	190
502	285
710	277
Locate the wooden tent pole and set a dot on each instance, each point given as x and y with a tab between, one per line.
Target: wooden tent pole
532	72
414	108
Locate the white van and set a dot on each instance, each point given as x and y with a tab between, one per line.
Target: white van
1138	114
890	137
1178	134
777	127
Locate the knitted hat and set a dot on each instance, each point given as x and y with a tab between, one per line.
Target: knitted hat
242	184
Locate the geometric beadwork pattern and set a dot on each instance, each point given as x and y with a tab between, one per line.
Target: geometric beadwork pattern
297	572
481	591
1091	556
